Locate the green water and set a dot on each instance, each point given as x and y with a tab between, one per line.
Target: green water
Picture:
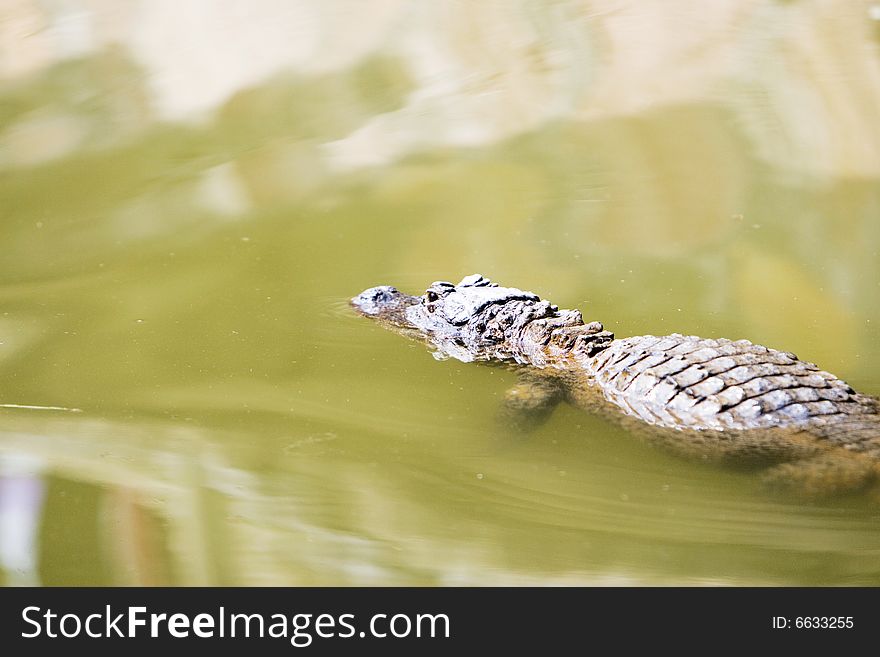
186	206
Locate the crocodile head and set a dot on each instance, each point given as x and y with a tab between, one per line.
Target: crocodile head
478	320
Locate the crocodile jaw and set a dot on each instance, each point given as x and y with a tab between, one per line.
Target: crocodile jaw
480	320
385	304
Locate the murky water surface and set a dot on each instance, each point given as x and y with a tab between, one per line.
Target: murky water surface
190	192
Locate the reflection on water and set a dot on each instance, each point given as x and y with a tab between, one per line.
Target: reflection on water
189	194
160	503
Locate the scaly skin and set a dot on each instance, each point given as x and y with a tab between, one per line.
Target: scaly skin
712	398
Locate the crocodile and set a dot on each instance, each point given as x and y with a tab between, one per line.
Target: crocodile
710	398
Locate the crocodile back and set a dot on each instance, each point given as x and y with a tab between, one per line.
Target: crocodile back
680	381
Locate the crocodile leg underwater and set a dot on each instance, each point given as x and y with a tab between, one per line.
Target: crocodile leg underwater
714	399
529	403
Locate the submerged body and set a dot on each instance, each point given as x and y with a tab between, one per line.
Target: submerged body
712	398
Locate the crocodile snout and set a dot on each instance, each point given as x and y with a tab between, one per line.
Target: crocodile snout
376	299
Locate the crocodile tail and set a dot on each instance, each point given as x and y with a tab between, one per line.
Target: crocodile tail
859	433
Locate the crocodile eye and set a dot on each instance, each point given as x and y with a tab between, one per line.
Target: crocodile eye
430	295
